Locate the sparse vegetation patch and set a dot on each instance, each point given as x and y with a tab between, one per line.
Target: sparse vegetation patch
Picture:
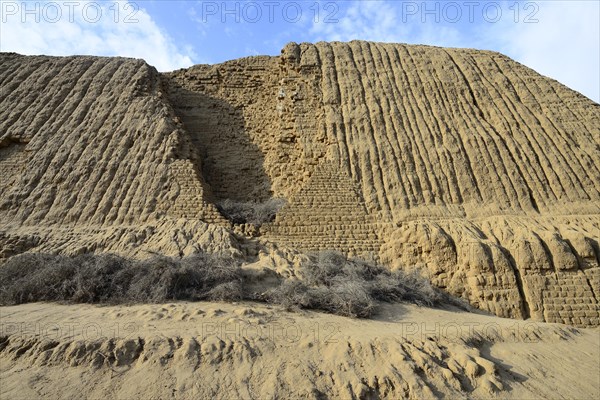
330	282
250	212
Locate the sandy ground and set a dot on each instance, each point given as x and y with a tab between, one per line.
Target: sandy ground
250	350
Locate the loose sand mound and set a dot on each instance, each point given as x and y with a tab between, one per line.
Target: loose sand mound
252	351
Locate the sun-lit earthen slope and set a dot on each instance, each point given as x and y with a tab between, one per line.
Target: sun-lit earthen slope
93	159
463	163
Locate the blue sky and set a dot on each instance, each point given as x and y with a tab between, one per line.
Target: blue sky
560	39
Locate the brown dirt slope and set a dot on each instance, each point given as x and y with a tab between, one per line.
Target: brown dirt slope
93	159
462	163
87	140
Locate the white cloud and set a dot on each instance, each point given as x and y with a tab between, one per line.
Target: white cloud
382	21
361	20
564	44
78	30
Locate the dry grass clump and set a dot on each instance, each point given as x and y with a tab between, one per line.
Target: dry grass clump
333	283
22	280
105	278
250	212
330	282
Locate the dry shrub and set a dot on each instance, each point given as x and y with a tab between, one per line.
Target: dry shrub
36	277
250	212
105	278
330	282
100	278
333	283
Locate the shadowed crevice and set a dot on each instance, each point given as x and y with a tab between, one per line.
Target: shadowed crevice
230	162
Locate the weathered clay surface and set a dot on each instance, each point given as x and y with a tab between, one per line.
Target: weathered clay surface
462	163
88	140
253	351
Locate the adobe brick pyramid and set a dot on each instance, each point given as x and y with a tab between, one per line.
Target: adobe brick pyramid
463	164
327	213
